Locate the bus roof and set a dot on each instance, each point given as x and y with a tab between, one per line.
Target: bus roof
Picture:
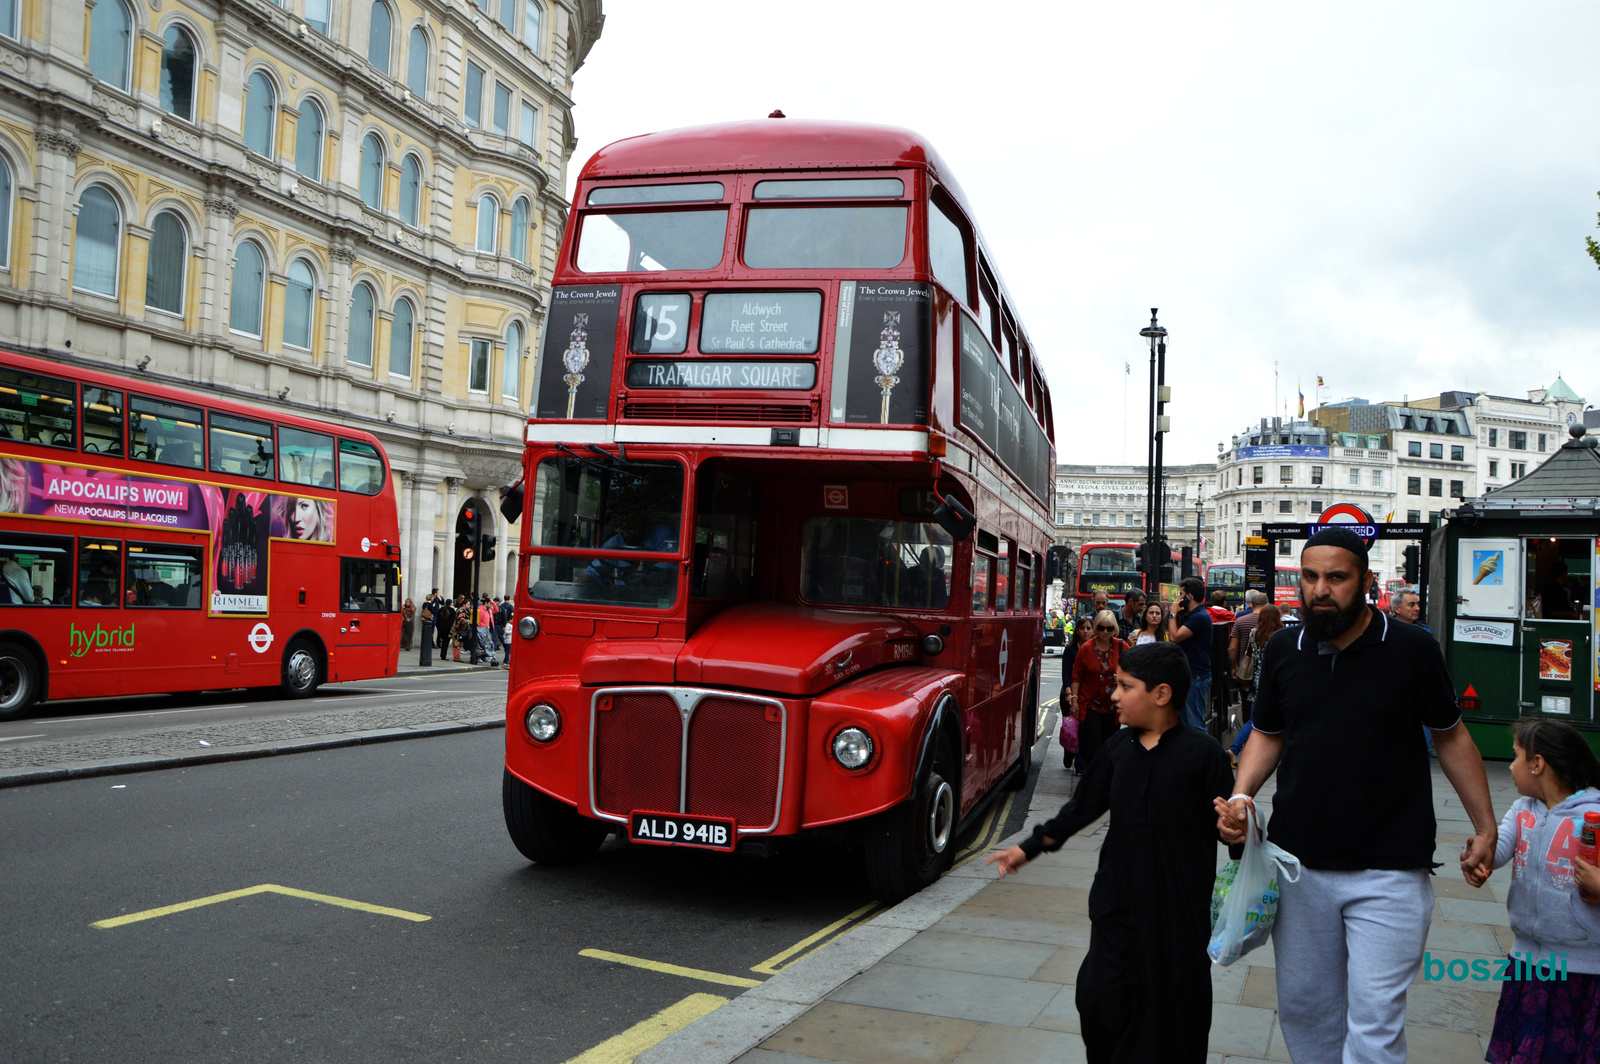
767	144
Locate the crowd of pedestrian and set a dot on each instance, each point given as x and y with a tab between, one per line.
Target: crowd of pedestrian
479	630
1333	707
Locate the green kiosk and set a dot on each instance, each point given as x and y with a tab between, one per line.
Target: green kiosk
1512	598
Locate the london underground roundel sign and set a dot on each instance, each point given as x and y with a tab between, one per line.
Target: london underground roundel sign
1348	513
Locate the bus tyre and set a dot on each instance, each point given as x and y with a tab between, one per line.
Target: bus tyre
302	669
545	829
19	680
1018	777
910	846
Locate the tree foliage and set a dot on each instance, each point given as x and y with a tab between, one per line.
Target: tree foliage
1594	248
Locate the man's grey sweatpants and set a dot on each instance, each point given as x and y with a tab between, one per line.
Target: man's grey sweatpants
1347	946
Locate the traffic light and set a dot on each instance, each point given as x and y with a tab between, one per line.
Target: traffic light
486	547
1413	563
1188	562
468	526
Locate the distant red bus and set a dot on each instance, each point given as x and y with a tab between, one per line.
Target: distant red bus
785	508
1108	567
152	542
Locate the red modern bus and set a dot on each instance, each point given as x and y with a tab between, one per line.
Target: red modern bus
1108	567
154	541
785	507
1229	579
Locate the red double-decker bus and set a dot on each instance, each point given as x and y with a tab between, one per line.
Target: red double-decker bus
784	509
152	541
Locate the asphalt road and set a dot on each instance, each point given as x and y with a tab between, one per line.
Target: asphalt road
412	828
91	718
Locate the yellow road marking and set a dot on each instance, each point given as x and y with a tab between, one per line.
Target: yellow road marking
669	969
993	825
832	931
265	888
622	1048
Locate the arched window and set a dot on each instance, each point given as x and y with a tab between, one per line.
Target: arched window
371	169
249	289
378	36
169	257
402	334
488	222
533	25
5	213
177	73
299	305
417	62
110	35
513	366
97	241
519	230
308	141
317	16
361	319
411	191
260	109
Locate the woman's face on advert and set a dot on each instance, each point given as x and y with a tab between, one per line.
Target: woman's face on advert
303	521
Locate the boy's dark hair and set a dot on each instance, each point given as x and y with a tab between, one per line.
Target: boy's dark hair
1196	588
1159	663
1560	744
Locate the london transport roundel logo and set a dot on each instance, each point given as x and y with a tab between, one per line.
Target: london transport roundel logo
1348	513
260	638
366	544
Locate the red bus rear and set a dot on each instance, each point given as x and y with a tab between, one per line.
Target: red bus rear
151	541
778	369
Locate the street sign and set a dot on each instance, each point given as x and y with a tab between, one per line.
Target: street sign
1368	532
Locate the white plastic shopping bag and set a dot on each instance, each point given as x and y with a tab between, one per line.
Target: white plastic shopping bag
1244	899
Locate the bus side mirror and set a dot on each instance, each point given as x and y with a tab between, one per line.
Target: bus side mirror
954	518
511	505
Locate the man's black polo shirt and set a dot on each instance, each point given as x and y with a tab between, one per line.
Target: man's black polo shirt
1354	786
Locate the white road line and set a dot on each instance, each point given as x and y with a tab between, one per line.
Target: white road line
152	713
14	738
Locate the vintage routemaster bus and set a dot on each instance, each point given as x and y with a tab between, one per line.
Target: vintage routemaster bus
154	541
784	509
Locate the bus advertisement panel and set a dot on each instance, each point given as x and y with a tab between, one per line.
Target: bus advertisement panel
151	542
784	508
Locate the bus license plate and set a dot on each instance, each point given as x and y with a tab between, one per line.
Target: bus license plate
670	829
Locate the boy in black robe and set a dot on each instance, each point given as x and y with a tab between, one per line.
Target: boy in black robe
1144	990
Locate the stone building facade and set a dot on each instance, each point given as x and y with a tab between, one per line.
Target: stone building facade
344	209
1106	503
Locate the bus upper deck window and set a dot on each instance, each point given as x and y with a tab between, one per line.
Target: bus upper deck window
102	421
821	238
360	468
645	241
37	409
167	432
948	247
833	188
241	446
305	457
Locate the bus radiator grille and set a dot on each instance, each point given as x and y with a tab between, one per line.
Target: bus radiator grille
734	752
638	754
718	412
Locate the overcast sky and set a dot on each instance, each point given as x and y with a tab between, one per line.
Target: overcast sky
1391	195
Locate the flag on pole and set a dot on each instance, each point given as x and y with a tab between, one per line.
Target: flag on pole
1319	383
1302	398
1127	367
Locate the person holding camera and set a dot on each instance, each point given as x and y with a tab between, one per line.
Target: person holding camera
1190	628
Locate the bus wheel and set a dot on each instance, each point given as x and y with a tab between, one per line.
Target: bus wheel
19	681
301	669
545	829
1030	734
909	847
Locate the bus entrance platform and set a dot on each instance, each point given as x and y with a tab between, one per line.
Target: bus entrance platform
975	969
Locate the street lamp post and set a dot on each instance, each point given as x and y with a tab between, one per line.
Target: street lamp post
1153	486
1199	522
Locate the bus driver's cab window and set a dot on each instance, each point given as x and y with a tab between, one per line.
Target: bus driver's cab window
869	561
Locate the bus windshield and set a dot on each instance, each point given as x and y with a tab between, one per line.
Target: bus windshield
609	509
868	561
1108	560
652	240
1225	576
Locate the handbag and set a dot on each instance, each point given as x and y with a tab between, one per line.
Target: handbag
1246	669
1069	733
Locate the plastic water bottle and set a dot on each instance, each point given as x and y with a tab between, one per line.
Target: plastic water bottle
1588	850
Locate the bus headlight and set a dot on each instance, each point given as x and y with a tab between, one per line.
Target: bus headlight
852	748
543	722
932	644
528	627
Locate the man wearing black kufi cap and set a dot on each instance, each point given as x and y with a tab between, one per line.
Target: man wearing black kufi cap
1339	714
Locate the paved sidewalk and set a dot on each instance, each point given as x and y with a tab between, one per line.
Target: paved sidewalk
976	970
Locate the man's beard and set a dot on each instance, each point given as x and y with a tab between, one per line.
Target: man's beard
1324	628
